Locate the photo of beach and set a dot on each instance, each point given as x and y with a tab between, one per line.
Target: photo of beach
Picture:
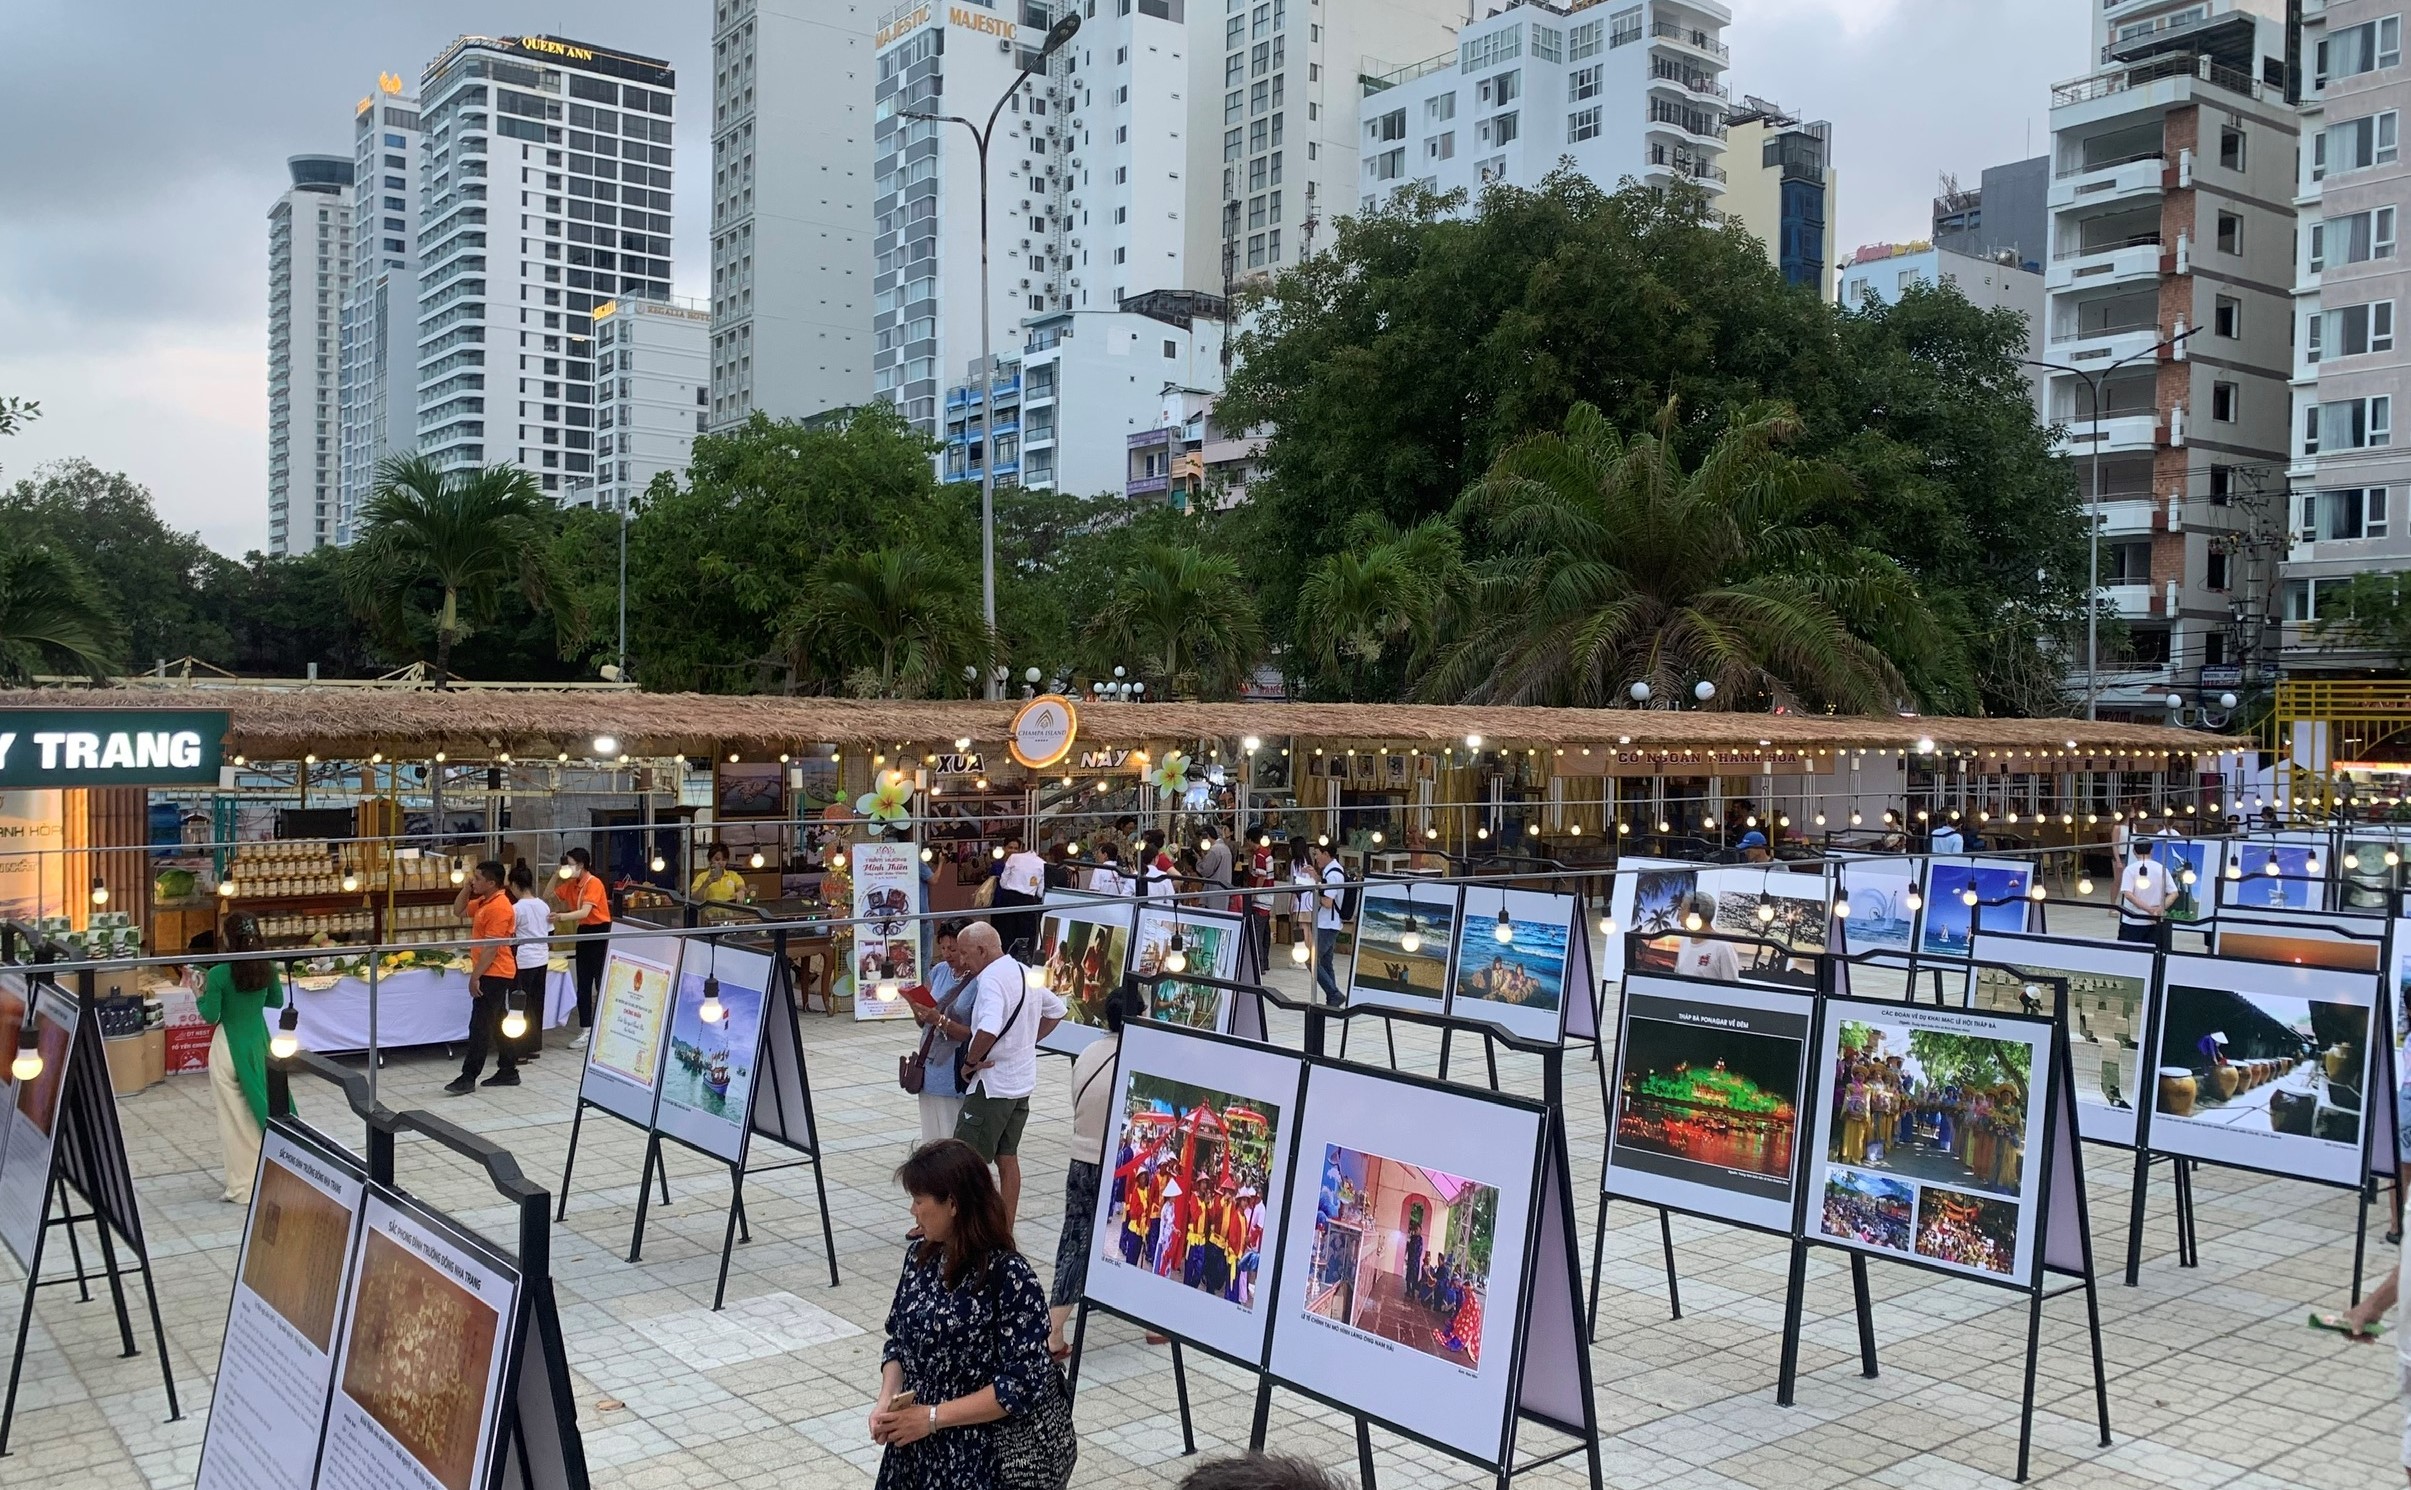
1657	914
1527	968
1389	917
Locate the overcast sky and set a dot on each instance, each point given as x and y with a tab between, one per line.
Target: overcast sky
148	140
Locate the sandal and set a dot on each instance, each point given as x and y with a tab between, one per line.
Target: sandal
2342	1325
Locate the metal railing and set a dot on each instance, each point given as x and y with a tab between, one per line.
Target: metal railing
2093	333
2087	250
2157	153
2143	74
1690	36
1697	82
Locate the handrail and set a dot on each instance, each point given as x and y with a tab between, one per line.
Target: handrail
2087	250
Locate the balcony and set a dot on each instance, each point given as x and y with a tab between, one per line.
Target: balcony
2120	434
2132	602
2156	83
2091	265
2104	344
2101	183
2129	517
1690	37
1148	438
1683	163
1703	125
1144	486
1689	79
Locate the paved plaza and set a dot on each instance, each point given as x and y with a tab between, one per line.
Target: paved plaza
2215	1382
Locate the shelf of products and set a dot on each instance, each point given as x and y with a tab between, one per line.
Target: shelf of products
318	892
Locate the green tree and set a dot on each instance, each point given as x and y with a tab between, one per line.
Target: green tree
152	578
2370	611
283	613
897	623
16	413
468	536
1376	610
1187	619
1618	567
52	615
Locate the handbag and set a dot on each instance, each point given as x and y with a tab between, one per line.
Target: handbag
985	895
1037	1447
912	1071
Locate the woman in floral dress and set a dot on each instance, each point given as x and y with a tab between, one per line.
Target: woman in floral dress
966	1334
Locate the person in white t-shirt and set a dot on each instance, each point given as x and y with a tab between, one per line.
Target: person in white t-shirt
1705	956
1329	897
532	921
1008	1018
2144	893
1020	882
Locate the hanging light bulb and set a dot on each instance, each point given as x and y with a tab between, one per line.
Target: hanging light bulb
1691	921
2084	885
1820	819
2186	878
711	1010
286	1042
1504	931
2270	868
1766	912
2310	864
928	856
1913	900
226	888
1377	835
1033	977
460	875
1175	959
565	871
658	863
2035	892
756	861
885	988
1607	926
2235	868
604	745
351	881
1298	953
837	860
1708	823
100	892
514	1019
1482	832
1856	820
1968	896
1841	908
1411	939
1264	840
28	1064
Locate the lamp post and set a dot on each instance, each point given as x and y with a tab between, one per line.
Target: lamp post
2093	381
1057	35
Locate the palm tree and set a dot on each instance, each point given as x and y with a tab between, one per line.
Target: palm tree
1385	598
474	534
51	612
894	621
1186	614
1619	568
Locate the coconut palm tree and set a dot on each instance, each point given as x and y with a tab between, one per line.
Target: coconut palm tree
1617	567
474	534
893	622
52	613
1374	611
1186	616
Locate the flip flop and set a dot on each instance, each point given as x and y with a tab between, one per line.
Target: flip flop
2343	1326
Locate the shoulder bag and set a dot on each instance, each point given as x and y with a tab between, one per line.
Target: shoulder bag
912	1071
962	1052
1037	1447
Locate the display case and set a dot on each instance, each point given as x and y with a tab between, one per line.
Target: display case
322	892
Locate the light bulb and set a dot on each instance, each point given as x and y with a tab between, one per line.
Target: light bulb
2235	870
997	852
1766	912
459	875
659	863
1691	921
756	861
1377	835
2084	885
1264	840
2393	858
1504	931
286	1042
1607	926
1708	823
928	856
1820	819
514	1024
1841	908
1856	820
2270	868
2310	865
2036	891
1298	953
605	745
2186	878
100	893
1033	977
711	1010
28	1064
1967	897
351	882
565	871
1176	960
226	888
837	860
1913	901
1665	826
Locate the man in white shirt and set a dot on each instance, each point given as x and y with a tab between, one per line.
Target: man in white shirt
1705	956
2144	892
1008	1018
1020	881
1329	896
1946	839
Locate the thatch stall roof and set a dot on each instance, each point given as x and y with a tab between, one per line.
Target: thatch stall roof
470	724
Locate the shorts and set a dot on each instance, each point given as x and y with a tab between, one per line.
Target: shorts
992	1125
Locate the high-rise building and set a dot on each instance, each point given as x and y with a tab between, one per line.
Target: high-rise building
791	206
309	272
2350	481
545	185
378	367
1880	273
2007	211
2173	239
1633	91
1783	188
652	385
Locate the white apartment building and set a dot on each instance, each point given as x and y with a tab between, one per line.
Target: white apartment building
652	386
791	207
309	273
545	185
2171	214
1880	273
1273	146
2350	478
1633	90
378	367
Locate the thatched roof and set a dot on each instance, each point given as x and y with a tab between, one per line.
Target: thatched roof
340	722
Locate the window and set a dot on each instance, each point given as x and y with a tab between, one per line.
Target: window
2352	424
2352	240
2358	49
1496	131
2355	145
1624	27
1548	44
2231	148
1503	89
2214	570
1172	349
1441	146
1390	126
2224	398
2350	331
1389	165
1481	53
1582	124
2230	233
1583	82
1585	40
2227	317
1440	108
2344	513
1230	145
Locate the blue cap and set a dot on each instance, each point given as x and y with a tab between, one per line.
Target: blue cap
1753	839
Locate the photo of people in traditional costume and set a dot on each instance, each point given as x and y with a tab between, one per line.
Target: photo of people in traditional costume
1930	1105
1189	1175
1402	1253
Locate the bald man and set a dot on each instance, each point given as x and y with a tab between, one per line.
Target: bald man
1008	1019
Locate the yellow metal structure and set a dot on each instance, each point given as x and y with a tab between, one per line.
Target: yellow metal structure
2319	723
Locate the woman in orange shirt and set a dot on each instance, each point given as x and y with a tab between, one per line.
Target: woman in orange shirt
580	889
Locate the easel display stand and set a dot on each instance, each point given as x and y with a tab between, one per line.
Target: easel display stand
60	1143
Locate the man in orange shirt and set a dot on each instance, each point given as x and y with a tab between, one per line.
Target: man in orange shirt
493	973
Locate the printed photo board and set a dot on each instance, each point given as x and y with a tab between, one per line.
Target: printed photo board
2370	870
424	1346
278	1357
1646	897
2265	1066
1929	1139
2284	873
1210	943
1408	1254
1885	897
15	999
2349	943
1083	950
1522	963
1405	930
887	942
707	1078
631	1021
1947	922
2194	866
1709	1079
1783	906
1191	1203
2110	986
31	1124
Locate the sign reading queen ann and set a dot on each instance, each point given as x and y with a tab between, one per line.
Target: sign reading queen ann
110	747
1043	731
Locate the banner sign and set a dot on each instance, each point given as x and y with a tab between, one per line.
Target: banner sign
42	748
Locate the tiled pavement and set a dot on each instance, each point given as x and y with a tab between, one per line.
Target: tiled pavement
2215	1382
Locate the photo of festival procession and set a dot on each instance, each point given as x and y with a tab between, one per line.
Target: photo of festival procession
1402	1253
1657	914
1930	1105
2263	1062
1867	1208
1402	940
1973	1231
1189	1176
1084	961
1724	1102
1527	968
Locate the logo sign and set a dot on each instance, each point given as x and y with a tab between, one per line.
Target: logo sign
981	21
110	747
959	763
1110	758
897	27
1044	730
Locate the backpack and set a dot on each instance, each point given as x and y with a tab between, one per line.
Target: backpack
1349	898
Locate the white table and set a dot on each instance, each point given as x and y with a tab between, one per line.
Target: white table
418	1007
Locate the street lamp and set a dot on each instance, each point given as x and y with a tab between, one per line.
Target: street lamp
1057	35
2093	381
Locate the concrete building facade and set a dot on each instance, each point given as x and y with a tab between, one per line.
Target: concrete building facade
1782	187
652	391
377	382
1879	273
2008	211
309	274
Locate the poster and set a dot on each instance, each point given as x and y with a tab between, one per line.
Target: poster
623	1055
1655	912
1651	914
1083	951
2276	876
1708	1083
2263	1067
1399	1295
1201	1136
1947	920
2347	943
12	1018
1511	965
426	1329
1781	906
1884	901
278	1358
2203	859
2109	1016
33	873
1404	931
1930	1141
31	1126
707	1082
887	943
1209	942
2366	880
